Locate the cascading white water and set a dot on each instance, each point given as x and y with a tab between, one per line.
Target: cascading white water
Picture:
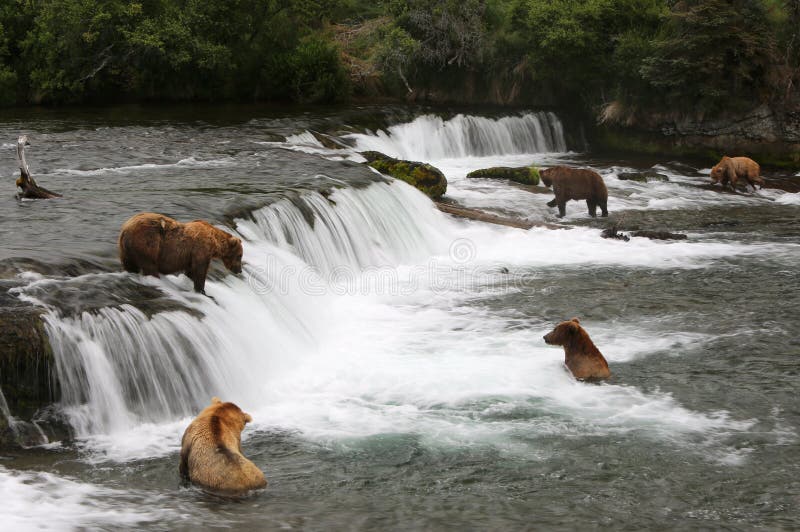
119	367
4	411
297	351
379	225
429	137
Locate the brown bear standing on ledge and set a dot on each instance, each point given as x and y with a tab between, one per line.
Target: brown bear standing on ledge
153	243
576	184
731	169
582	357
211	452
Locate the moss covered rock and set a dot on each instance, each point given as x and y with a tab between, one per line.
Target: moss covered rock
527	175
423	176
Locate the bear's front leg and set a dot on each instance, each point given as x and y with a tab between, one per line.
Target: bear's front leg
197	273
562	209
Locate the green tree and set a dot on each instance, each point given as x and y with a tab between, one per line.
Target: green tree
576	47
8	78
711	55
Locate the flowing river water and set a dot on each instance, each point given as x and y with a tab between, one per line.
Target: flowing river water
392	356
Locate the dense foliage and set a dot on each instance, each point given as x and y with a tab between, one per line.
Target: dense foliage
700	55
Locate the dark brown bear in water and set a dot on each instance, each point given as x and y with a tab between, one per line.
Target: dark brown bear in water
211	452
582	357
576	184
731	169
153	243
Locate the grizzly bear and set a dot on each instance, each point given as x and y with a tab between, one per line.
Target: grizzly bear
581	356
211	452
731	169
153	243
576	184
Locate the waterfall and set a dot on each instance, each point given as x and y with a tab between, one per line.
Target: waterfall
119	367
383	224
430	137
26	434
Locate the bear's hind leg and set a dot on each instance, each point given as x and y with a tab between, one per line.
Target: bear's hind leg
552	203
603	207
592	208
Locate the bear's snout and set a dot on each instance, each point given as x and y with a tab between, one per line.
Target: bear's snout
546	338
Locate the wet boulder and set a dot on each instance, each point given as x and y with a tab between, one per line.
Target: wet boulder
328	141
527	175
642	177
27	367
27	370
660	235
615	234
423	176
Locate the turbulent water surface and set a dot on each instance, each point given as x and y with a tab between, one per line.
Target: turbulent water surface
391	356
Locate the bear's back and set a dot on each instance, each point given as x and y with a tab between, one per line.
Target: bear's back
210	452
579	183
745	166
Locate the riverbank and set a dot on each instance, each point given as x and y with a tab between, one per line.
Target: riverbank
771	137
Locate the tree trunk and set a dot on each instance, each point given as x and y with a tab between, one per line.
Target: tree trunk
25	181
481	216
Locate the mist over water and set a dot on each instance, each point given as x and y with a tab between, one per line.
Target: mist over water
388	352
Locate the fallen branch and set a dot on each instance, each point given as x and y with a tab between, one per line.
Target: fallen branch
481	216
25	181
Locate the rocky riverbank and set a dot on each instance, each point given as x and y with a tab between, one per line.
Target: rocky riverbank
770	136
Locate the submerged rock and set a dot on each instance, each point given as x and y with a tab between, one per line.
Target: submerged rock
660	235
328	141
423	176
642	177
527	175
615	234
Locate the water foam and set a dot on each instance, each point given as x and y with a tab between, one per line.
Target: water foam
43	501
309	339
189	162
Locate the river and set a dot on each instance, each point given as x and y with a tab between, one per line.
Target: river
392	356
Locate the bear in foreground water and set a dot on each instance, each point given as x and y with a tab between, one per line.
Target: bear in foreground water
581	356
576	184
731	169
153	243
211	452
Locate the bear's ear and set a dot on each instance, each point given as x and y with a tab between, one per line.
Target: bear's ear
216	400
576	320
247	417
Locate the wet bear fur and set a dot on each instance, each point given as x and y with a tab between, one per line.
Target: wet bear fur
154	244
211	452
576	184
581	356
732	169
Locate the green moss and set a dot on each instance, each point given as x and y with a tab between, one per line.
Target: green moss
527	175
533	175
428	179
